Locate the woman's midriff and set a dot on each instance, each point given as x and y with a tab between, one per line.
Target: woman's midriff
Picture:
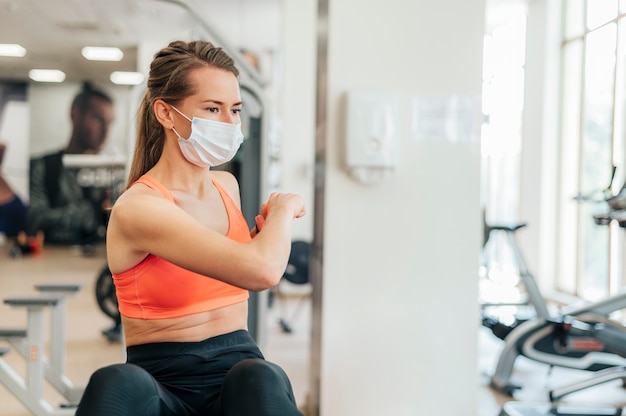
190	328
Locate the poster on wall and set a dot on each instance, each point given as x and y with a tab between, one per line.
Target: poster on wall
78	166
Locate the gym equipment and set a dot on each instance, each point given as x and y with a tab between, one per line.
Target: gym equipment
613	335
527	280
107	301
546	409
545	338
54	365
105	288
29	390
602	341
557	339
297	272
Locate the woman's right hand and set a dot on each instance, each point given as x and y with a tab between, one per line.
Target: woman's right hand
292	201
277	201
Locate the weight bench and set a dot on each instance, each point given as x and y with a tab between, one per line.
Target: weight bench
55	365
30	344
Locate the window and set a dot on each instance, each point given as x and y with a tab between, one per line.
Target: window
503	103
591	138
590	258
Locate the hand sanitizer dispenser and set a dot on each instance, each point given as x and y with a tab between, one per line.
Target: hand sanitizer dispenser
371	135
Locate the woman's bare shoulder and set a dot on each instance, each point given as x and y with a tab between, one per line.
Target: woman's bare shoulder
134	198
228	181
224	177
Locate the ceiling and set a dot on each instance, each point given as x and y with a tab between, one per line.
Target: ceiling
54	31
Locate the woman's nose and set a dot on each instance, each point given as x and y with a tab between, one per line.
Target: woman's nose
230	118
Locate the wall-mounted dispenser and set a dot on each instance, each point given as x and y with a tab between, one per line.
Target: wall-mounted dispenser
372	135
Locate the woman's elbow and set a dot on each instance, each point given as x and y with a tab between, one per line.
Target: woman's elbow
266	278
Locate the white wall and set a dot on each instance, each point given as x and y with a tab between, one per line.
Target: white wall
400	317
296	107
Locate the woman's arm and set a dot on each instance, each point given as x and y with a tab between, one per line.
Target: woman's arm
142	222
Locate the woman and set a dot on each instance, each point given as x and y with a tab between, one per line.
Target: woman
183	259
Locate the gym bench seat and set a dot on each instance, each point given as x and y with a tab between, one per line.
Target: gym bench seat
29	390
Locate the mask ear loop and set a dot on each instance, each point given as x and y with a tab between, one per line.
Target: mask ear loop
179	112
178	135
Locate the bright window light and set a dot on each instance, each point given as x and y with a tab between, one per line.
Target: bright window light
12	49
46	75
94	53
126	78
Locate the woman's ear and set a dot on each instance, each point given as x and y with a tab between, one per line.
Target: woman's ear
163	114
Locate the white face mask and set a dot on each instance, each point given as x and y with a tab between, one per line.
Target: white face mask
211	143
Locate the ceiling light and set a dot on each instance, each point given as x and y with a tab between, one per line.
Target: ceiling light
126	78
12	49
94	53
46	75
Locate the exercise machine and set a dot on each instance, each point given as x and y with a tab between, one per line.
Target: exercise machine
544	337
297	273
532	295
552	341
550	338
547	409
106	297
613	336
107	301
581	337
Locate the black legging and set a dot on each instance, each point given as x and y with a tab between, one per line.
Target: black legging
224	375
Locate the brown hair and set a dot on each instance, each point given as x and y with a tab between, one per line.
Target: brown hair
169	81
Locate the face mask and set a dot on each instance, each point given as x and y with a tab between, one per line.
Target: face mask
211	143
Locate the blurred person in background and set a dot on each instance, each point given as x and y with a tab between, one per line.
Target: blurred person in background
59	206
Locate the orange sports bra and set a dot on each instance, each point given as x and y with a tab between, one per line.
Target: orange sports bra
158	289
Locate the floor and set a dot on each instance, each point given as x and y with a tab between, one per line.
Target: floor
88	349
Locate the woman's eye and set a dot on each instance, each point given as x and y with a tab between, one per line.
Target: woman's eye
213	109
236	110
